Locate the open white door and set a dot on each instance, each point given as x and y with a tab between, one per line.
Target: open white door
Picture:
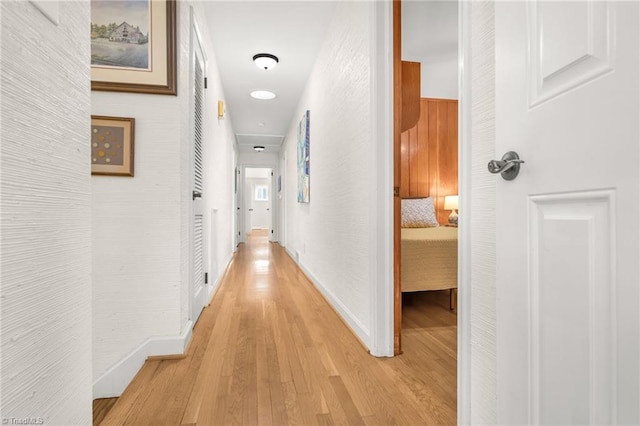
258	184
567	98
198	293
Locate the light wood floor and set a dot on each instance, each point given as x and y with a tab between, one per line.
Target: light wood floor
270	350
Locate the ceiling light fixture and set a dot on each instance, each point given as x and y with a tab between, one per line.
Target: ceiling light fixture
263	95
258	148
265	60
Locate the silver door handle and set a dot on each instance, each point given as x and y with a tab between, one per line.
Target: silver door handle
508	167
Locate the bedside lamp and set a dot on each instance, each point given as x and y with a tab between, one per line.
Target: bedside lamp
451	203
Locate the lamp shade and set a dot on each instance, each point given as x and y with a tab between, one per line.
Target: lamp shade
451	202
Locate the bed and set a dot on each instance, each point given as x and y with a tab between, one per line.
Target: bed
429	259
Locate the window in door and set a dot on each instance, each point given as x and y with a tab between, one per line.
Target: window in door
262	193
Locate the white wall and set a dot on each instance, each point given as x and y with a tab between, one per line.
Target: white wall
141	264
430	36
477	308
331	235
46	216
439	76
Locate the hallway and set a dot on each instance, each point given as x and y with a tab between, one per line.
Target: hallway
270	350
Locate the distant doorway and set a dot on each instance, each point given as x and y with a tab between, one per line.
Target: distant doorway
258	200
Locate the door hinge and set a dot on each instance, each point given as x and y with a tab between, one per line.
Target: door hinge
206	277
205	82
396	191
272	231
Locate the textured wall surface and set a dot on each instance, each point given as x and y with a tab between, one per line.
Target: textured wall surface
141	224
483	222
331	234
46	215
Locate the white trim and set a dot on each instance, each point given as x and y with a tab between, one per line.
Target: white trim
464	234
352	322
211	291
381	233
115	380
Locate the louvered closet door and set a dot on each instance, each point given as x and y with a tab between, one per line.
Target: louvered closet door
198	290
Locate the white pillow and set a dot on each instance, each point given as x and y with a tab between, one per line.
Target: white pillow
418	213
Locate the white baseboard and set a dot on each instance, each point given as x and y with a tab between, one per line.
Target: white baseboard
292	255
352	322
214	287
117	378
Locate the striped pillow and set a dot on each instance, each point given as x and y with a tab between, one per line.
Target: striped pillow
418	213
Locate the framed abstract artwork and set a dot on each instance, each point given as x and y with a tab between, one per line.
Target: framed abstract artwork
112	145
303	159
133	46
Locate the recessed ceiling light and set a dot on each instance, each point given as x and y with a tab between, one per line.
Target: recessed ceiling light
265	60
259	148
261	124
264	95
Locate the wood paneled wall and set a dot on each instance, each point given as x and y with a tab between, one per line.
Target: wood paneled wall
429	154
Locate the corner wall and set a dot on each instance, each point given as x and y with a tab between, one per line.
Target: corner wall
330	237
141	225
45	223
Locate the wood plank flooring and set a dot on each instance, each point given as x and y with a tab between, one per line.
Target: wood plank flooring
269	350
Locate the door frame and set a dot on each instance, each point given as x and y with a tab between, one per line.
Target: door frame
381	158
242	195
195	43
385	296
465	165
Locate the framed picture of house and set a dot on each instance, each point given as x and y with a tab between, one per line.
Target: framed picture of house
112	145
133	46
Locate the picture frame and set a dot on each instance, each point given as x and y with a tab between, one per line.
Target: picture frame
112	145
304	153
137	56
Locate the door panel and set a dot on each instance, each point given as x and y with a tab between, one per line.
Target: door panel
567	100
198	293
572	362
574	54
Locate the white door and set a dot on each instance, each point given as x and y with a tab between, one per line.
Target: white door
238	207
258	184
567	227
198	293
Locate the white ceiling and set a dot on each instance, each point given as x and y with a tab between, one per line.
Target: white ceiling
291	30
294	31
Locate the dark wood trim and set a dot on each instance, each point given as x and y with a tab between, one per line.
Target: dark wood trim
410	94
397	131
